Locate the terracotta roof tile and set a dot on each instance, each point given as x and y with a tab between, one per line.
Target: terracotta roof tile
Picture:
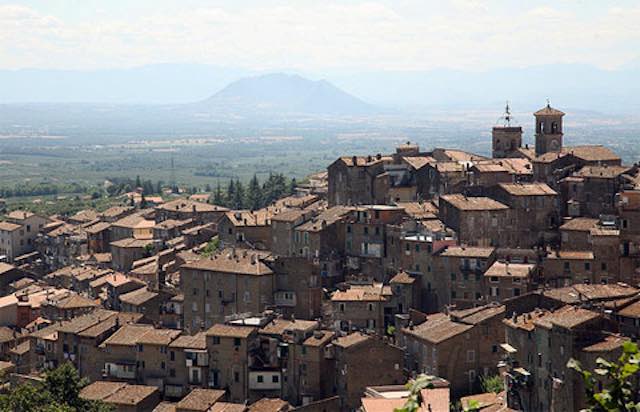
463	202
235	262
200	399
229	331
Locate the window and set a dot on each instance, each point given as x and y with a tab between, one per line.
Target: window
370	307
472	376
494	348
216	340
236	341
453	277
236	377
417	247
260	379
465	276
275	379
453	294
377	231
172	373
172	355
471	356
342	307
587	266
140	348
604	266
162	365
516	292
567	266
366	230
348	228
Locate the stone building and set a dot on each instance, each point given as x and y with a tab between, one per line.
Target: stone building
533	214
351	179
478	221
539	344
460	346
360	361
227	283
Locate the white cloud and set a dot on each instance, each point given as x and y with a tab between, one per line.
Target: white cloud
333	34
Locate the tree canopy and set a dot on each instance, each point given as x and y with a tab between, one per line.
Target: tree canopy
58	392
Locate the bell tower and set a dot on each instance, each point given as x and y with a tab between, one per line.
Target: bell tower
506	137
548	130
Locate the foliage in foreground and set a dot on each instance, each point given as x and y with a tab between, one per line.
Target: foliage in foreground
620	379
493	384
415	386
59	392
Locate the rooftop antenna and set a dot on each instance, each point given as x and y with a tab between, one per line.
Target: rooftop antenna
548	103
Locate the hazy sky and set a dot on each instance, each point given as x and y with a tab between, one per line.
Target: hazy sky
318	35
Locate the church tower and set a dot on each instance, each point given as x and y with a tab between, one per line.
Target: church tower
506	138
548	130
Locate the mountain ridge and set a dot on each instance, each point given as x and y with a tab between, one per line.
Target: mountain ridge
289	93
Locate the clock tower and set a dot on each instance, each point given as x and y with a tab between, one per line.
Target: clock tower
548	130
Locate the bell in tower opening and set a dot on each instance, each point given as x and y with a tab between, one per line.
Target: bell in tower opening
506	137
548	130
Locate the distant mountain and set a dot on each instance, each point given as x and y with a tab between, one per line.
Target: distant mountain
285	93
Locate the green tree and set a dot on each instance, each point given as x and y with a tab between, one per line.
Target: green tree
218	197
493	383
231	193
59	392
211	247
413	402
620	379
254	194
292	186
238	196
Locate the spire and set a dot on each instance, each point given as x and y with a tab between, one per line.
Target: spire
506	118
507	114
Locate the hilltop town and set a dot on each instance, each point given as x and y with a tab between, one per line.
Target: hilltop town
466	268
